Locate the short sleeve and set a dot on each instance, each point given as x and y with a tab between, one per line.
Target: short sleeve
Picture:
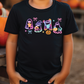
70	25
12	25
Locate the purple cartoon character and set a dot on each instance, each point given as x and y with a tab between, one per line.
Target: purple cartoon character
47	26
29	25
38	27
57	28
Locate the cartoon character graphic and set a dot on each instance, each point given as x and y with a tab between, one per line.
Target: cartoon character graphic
29	25
38	27
57	30
47	26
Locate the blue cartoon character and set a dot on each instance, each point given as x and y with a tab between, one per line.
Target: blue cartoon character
47	26
57	28
38	27
29	25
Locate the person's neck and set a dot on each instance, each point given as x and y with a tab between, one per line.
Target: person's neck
41	4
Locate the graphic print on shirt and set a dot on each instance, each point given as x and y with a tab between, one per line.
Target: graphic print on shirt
47	26
35	18
29	25
57	29
38	27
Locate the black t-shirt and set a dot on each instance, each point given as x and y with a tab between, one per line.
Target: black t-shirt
40	38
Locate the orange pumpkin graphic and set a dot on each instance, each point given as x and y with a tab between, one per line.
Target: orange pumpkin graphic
48	32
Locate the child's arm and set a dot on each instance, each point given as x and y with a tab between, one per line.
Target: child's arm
11	48
60	77
67	53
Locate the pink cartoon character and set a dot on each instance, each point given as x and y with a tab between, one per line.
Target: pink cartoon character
47	26
29	25
57	30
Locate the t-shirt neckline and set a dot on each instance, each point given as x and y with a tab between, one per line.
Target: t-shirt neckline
40	10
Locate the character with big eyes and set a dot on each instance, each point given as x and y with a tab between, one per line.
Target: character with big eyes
29	25
47	26
57	30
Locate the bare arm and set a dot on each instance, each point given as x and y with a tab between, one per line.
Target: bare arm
67	53
11	48
59	78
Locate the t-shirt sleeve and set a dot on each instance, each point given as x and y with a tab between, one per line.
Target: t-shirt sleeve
12	25
71	25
